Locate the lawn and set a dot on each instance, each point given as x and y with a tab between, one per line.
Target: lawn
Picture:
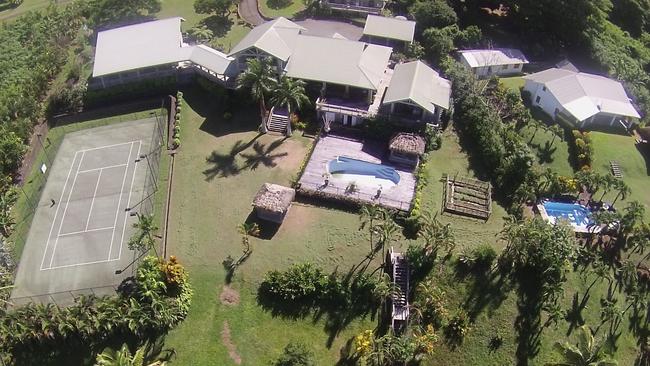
635	169
27	5
514	82
552	151
281	8
212	193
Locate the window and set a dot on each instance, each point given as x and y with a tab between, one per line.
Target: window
504	67
489	68
537	99
557	110
544	88
516	66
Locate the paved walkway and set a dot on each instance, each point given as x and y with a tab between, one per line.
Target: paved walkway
250	13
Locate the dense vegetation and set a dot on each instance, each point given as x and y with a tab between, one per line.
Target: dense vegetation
150	304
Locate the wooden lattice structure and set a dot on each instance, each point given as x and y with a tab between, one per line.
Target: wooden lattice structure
467	197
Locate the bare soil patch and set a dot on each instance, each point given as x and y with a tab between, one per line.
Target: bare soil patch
295	154
229	296
227	341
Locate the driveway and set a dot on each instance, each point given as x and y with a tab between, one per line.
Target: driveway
249	11
326	28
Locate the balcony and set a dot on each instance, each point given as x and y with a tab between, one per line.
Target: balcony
358	6
345	106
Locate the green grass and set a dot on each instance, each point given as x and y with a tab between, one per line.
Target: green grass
29	194
27	5
552	151
514	82
452	160
634	167
275	8
205	215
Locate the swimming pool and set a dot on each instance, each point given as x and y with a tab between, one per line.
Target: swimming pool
578	216
353	169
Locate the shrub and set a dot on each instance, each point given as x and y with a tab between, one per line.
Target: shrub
581	149
178	108
433	138
457	328
296	354
479	259
300	283
177	142
419	262
431	302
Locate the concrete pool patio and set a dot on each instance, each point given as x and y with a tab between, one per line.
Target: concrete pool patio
330	147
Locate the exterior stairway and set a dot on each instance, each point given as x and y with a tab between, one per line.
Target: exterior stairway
400	304
277	122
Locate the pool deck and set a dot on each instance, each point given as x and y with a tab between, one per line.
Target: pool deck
330	147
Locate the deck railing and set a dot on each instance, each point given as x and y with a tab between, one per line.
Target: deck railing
323	105
344	195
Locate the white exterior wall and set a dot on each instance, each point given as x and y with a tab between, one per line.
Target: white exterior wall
487	71
547	101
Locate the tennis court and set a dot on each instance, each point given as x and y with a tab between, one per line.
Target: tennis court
79	234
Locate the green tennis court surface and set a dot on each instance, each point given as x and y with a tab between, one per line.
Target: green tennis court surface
79	234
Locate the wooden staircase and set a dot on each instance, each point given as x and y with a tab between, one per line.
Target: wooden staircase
277	122
400	304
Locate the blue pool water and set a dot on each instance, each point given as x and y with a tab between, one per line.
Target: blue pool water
575	214
345	165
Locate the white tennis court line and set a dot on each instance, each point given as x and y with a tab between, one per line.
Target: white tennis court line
128	202
102	168
59	234
92	202
117	213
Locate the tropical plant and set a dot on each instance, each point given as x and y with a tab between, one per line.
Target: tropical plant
290	93
586	352
217	7
295	354
259	78
143	239
124	357
370	215
436	235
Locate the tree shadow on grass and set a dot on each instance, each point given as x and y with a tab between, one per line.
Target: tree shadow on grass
268	229
263	155
528	323
485	291
219	25
545	153
224	165
279	4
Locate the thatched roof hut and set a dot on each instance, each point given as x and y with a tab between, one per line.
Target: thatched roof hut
272	201
407	143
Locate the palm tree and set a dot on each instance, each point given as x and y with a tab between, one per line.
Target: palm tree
622	190
387	229
290	93
143	239
586	352
368	215
258	77
556	130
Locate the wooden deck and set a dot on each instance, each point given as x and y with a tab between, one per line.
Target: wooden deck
330	147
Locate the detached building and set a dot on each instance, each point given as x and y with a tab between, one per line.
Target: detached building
388	31
272	202
579	98
498	61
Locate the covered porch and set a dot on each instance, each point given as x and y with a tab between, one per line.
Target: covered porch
343	104
411	113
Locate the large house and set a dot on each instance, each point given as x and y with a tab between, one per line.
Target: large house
497	61
350	80
579	98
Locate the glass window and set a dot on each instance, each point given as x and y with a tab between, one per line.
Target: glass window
537	99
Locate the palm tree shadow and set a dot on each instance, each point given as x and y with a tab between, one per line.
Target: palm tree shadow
224	165
262	155
545	153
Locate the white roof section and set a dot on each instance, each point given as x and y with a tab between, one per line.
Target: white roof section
417	82
149	44
493	57
584	95
392	28
276	38
140	45
338	61
211	59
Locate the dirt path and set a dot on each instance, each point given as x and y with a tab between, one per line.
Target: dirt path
232	350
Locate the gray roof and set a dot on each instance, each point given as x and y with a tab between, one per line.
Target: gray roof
493	57
276	38
211	59
584	95
149	44
338	61
417	82
392	28
140	45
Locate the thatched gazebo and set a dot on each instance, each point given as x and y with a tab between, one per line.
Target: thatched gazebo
406	148
272	202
